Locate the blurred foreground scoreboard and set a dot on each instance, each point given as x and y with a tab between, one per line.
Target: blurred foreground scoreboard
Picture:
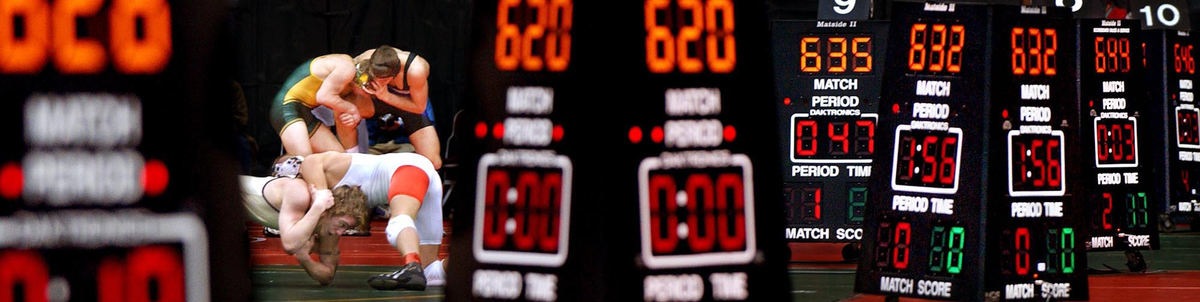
105	148
828	76
976	125
619	154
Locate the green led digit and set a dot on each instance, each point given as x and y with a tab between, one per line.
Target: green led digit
1138	217
1068	250
935	255
858	199
1053	251
954	256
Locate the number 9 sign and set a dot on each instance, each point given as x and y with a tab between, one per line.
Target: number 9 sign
696	215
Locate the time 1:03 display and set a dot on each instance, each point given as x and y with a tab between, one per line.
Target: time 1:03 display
1116	142
835	54
936	47
946	245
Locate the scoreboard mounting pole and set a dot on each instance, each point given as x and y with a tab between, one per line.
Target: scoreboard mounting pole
976	125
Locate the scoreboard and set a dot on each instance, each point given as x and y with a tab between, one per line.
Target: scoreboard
975	126
618	154
1170	70
106	148
1113	114
828	76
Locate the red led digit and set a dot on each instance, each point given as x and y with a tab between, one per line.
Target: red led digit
731	204
1130	139
660	44
1107	211
916	46
508	37
73	55
662	214
946	168
1054	165
721	45
837	53
1123	49
900	250
1022	149
929	158
838	142
160	264
558	42
28	54
495	213
862	50
110	280
1050	52
551	204
1022	247
1035	51
1191	60
1040	180
689	34
1101	49
908	159
533	31
810	60
146	53
937	52
806	134
867	126
1102	142
24	268
1178	58
527	222
1113	54
701	228
957	38
1018	50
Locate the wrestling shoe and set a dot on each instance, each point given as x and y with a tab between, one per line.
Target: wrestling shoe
435	275
409	277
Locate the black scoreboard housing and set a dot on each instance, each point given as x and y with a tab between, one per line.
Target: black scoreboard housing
1123	199
1170	72
937	225
828	116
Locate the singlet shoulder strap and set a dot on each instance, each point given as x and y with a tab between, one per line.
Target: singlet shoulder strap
407	63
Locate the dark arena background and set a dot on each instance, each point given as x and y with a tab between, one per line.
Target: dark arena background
655	150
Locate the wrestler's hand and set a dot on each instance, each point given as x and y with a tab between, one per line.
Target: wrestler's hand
349	118
321	199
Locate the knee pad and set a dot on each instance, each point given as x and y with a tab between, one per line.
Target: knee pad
397	224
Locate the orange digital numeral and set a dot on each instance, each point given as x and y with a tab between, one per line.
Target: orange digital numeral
937	51
130	54
533	31
664	50
508	37
958	35
837	54
1050	52
860	53
809	49
916	47
558	43
1018	50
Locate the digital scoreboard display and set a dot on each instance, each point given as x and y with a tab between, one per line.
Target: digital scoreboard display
1122	199
1035	225
828	76
106	143
517	209
974	127
651	182
1170	71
